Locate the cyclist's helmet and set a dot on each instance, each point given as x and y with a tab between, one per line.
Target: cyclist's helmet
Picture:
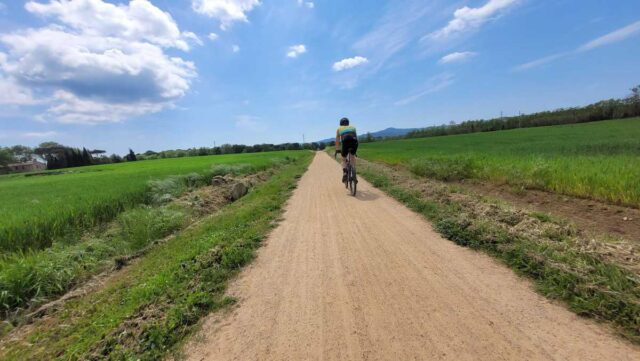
344	121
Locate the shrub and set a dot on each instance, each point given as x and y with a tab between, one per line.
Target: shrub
144	224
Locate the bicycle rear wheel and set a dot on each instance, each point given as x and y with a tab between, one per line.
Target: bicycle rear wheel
352	180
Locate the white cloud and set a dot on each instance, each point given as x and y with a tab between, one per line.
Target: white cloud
138	21
349	63
250	123
39	134
235	48
400	24
213	36
308	4
12	93
296	50
70	109
225	11
539	62
466	19
14	134
610	38
192	37
105	69
434	84
457	57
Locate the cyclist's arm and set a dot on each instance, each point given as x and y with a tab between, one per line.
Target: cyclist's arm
337	138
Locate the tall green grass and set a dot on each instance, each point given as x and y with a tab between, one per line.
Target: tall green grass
28	278
598	160
34	210
154	303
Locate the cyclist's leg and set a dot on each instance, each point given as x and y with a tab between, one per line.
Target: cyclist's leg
343	154
354	152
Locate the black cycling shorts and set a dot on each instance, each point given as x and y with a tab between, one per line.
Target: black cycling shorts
349	144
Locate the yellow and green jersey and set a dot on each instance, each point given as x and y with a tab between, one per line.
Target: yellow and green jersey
345	131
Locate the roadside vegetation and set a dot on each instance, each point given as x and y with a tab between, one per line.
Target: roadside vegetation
38	209
30	278
604	110
599	160
148	307
597	276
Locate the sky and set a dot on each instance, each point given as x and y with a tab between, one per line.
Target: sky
167	74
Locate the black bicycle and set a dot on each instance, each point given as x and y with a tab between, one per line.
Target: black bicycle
352	180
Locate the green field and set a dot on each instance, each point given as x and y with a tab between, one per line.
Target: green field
37	209
599	160
152	305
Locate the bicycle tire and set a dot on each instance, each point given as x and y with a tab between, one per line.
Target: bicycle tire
353	181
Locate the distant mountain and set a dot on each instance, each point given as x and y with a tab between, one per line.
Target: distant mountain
385	133
392	132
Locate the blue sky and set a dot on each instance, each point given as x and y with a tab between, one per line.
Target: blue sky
160	74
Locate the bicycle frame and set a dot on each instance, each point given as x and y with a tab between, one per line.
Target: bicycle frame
352	181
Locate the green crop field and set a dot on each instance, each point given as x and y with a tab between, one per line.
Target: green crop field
599	160
36	209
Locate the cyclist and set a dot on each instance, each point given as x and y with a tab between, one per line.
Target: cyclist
346	141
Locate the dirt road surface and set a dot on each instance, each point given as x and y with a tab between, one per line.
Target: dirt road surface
386	287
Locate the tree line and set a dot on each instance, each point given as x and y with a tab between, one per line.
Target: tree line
59	156
607	109
229	149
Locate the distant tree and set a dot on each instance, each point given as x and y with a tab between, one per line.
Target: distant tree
6	157
131	157
47	149
602	110
21	152
53	153
238	148
635	94
87	159
368	138
226	149
115	158
50	145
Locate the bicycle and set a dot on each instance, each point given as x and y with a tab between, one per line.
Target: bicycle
352	181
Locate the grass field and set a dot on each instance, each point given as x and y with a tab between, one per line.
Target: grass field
599	160
151	305
37	209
